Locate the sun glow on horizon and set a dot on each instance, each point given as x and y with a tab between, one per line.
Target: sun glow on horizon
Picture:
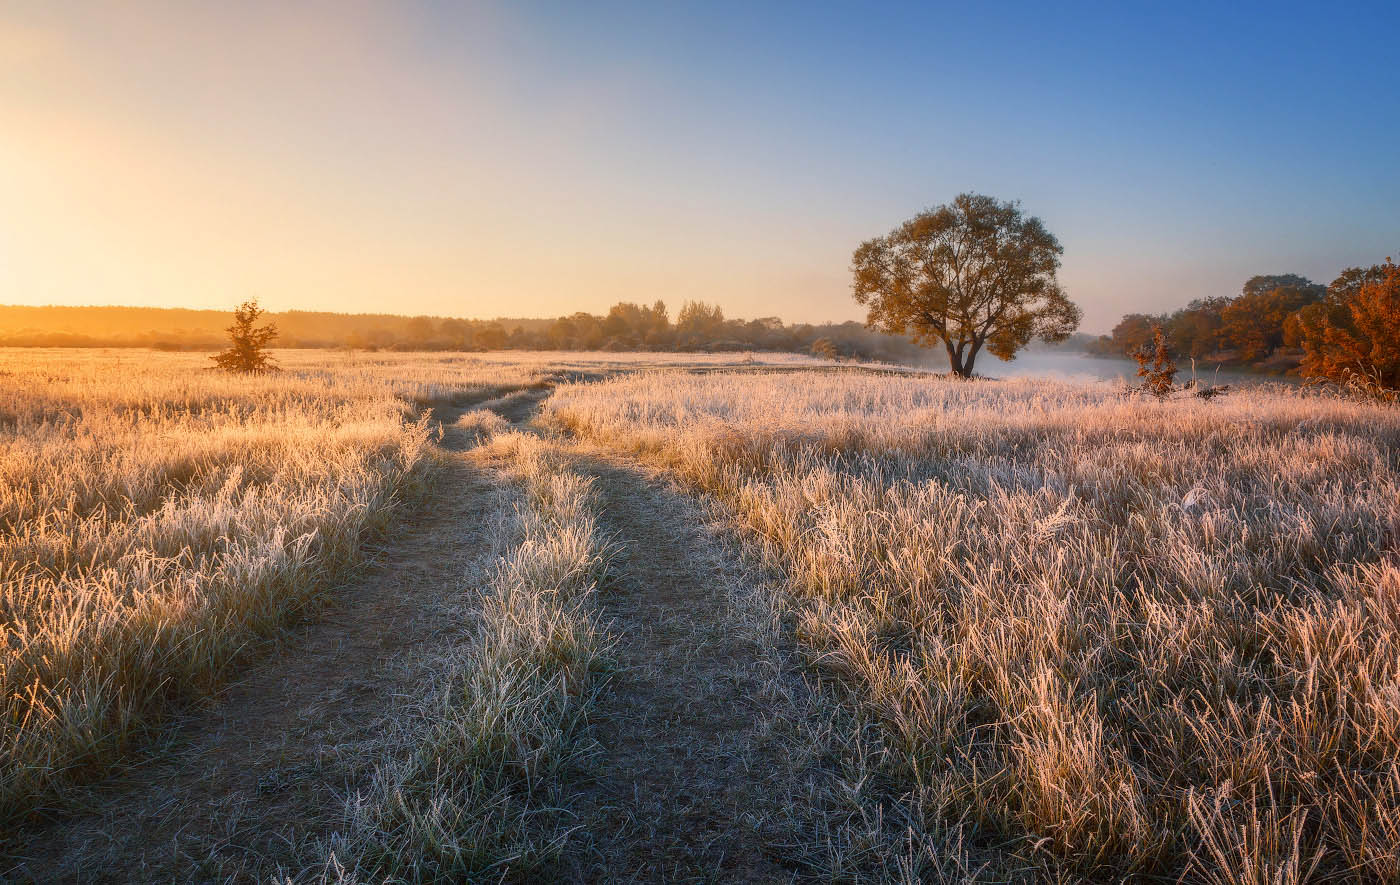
497	161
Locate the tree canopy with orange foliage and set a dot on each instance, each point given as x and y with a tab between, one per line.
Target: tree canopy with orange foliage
972	273
1353	336
1254	322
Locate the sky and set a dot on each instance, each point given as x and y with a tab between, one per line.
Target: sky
534	159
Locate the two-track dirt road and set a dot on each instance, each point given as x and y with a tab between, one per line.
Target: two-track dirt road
689	778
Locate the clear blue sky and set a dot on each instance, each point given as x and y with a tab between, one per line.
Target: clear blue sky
534	159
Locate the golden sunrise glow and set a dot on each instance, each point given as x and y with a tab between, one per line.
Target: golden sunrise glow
192	158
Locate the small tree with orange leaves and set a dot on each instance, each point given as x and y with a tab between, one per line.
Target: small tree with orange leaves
1355	338
248	342
1156	367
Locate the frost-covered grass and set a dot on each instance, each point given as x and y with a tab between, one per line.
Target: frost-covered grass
479	795
1100	636
155	518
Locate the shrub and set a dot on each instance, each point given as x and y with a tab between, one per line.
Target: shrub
1155	366
248	342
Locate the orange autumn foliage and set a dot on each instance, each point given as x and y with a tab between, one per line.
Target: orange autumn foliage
1356	339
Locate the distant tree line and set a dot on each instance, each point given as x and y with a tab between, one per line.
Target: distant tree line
625	327
1259	328
1348	331
628	326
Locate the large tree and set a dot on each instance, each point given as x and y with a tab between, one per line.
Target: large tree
973	273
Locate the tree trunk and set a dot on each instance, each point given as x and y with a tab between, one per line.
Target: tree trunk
960	364
971	359
955	359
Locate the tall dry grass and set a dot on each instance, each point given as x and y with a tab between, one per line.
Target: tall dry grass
156	518
1101	637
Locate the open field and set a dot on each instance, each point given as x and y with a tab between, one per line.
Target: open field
1101	636
884	628
152	521
156	516
691	442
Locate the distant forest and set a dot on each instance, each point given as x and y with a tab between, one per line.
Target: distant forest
1264	328
626	326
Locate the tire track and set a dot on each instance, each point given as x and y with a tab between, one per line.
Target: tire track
694	779
240	790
